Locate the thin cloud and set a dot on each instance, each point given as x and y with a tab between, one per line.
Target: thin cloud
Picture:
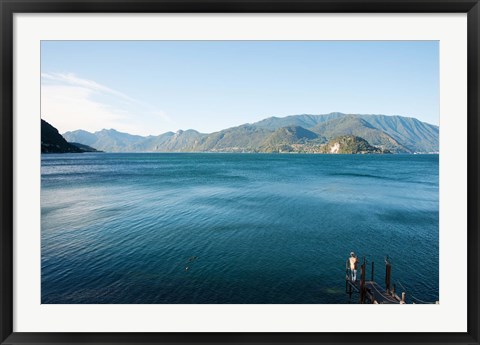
70	103
73	80
163	116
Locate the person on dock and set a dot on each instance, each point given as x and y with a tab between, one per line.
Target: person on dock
353	260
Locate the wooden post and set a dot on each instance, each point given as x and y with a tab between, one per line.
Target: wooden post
388	271
373	268
346	276
348	283
403	297
362	283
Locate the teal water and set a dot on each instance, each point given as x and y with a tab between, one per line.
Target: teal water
234	228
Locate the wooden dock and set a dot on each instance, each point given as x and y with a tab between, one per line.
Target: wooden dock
369	290
374	293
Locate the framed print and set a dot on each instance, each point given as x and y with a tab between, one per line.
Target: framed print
239	172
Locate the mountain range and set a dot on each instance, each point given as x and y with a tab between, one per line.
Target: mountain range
295	133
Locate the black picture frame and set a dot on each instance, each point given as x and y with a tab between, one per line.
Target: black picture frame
9	8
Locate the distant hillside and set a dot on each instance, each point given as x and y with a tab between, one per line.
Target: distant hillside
283	138
180	141
350	144
81	136
305	121
84	148
108	140
296	133
244	138
410	134
356	126
53	142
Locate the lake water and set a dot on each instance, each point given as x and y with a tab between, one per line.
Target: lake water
234	228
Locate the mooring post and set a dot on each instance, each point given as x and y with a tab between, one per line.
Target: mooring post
403	297
346	276
373	267
388	270
362	282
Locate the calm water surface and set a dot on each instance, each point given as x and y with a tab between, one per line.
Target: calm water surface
234	228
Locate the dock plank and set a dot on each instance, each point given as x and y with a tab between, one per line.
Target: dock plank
375	293
379	295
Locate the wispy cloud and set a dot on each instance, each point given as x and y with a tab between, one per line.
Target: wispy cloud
70	102
163	116
73	80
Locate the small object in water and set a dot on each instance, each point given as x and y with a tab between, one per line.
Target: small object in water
190	260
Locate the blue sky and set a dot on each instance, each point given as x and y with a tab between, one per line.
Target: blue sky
150	87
